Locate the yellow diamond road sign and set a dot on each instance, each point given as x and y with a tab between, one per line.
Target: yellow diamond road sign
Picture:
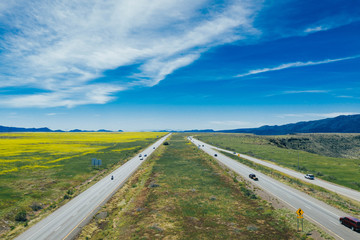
300	212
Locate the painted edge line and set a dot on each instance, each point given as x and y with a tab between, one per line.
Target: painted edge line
108	196
272	194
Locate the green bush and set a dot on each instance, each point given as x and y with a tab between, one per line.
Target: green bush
21	216
66	196
36	206
70	191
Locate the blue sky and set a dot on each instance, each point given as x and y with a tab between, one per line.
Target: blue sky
190	64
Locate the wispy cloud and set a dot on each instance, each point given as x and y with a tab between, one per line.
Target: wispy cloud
61	46
306	91
316	29
345	96
298	92
293	65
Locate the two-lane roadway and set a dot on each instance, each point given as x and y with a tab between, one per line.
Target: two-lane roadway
314	210
350	193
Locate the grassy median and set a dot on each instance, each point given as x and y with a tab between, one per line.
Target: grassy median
182	193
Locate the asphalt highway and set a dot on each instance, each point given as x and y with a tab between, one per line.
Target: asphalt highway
67	221
314	210
347	192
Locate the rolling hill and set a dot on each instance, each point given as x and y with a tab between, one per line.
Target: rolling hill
340	124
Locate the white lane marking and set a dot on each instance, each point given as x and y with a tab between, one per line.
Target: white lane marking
327	211
336	223
328	185
57	228
63	213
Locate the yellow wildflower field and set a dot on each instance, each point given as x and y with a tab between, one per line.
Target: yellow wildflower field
47	150
46	168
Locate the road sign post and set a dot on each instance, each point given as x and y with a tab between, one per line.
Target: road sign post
300	213
96	162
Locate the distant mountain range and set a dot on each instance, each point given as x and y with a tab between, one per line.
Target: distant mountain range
45	129
340	124
16	129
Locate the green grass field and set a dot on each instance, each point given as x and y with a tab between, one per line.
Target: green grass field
39	171
182	193
342	171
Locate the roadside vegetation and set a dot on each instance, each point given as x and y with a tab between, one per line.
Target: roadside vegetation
338	145
279	150
182	193
41	171
344	204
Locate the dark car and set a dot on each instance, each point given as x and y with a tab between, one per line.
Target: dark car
253	176
351	222
215	155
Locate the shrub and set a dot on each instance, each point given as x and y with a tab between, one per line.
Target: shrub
21	216
36	206
66	196
166	143
70	191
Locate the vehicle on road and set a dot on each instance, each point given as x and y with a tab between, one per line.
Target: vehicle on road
234	153
141	158
140	155
351	222
112	177
215	155
145	155
310	176
253	177
153	147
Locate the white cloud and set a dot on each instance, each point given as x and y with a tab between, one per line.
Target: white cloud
316	29
61	46
298	92
293	65
305	91
89	94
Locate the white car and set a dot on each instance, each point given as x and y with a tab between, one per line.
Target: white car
310	176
